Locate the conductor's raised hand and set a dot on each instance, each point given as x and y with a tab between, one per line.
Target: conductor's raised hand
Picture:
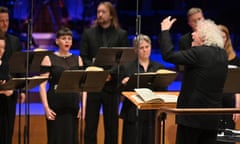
167	23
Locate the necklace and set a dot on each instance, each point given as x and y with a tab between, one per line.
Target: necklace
63	55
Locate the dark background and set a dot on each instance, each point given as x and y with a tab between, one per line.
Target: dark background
48	15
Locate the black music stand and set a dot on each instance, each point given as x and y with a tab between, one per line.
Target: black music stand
232	83
19	83
26	63
108	56
18	61
80	80
114	56
150	80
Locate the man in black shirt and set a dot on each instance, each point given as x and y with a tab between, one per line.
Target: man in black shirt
104	33
8	104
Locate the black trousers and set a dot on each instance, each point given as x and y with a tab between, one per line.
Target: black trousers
189	135
7	117
141	130
109	103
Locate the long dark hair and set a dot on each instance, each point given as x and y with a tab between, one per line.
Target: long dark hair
113	13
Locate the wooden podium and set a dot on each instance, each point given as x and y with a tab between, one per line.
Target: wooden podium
164	108
150	106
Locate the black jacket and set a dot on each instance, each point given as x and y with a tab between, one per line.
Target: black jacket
203	82
92	40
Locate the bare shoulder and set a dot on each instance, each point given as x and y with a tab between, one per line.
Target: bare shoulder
80	62
46	61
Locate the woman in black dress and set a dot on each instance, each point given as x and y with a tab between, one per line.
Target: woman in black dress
61	109
230	100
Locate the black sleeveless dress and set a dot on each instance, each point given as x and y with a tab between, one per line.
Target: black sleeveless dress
64	129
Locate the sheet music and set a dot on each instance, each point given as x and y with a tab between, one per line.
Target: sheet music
168	98
145	95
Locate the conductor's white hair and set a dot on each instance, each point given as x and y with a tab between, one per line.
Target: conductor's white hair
210	33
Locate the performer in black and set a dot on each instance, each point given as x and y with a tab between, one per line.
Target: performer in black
204	77
138	129
61	109
8	103
105	33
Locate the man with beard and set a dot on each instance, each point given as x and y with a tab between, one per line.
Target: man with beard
105	32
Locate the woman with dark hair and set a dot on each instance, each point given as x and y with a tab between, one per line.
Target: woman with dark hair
61	109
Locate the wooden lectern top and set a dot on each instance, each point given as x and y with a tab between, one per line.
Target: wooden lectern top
149	106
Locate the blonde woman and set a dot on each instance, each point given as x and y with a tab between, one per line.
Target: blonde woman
230	100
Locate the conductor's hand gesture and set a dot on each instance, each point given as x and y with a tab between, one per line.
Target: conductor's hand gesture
167	23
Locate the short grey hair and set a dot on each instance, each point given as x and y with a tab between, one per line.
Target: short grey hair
193	10
139	38
210	33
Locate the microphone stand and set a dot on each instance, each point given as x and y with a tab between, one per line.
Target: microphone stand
138	32
27	103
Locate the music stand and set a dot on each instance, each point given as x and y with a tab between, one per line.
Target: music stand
18	61
80	80
108	56
19	83
26	62
150	80
232	82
